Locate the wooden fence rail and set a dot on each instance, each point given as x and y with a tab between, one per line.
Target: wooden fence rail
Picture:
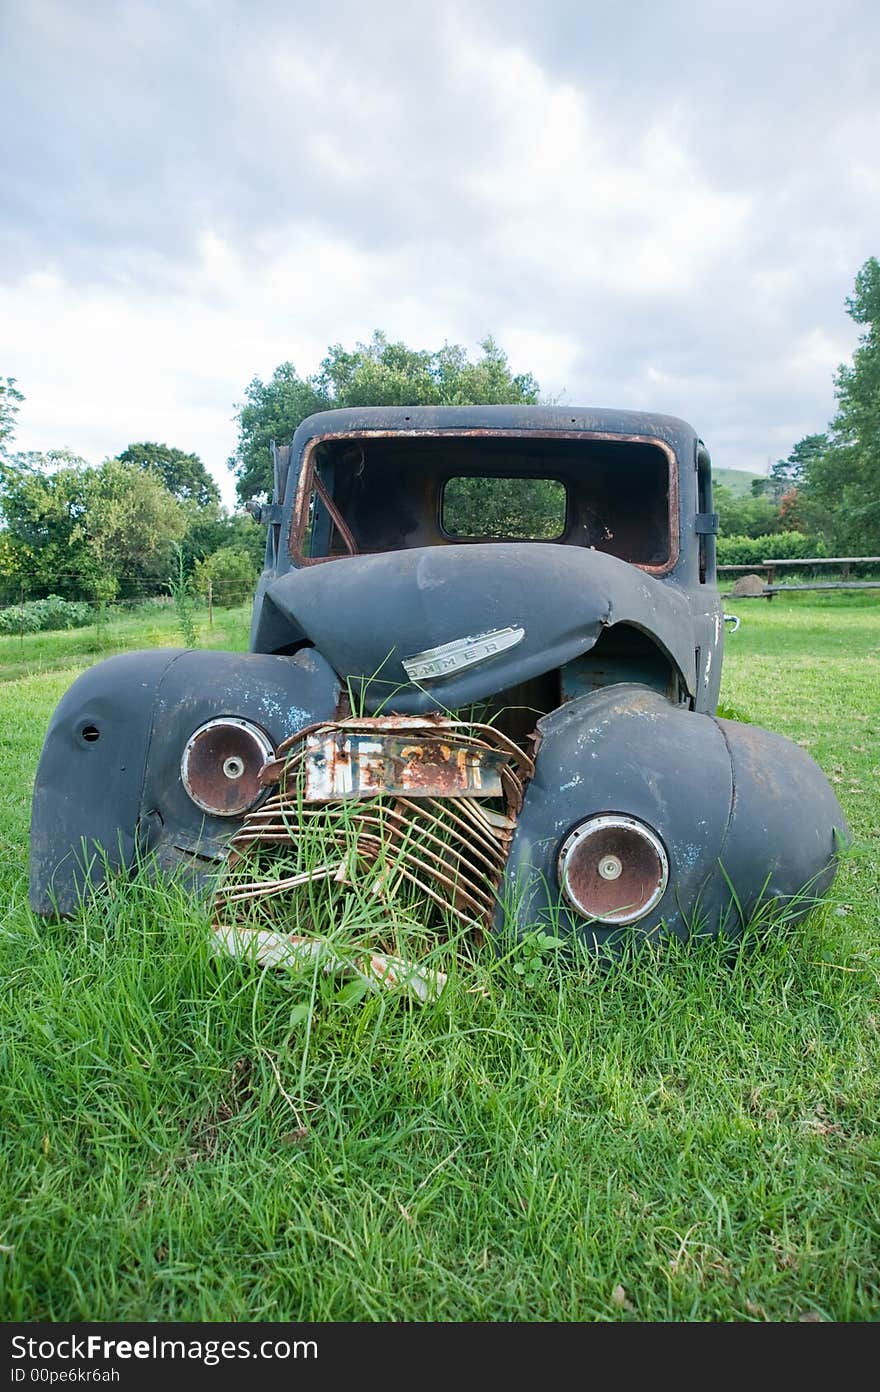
770	567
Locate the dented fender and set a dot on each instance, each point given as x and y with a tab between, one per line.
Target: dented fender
109	785
745	816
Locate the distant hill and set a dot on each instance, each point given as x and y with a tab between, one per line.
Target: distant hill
739	481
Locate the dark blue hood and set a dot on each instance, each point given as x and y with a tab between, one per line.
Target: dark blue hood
366	614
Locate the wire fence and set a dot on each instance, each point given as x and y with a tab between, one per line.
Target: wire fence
27	613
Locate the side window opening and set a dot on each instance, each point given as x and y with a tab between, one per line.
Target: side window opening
326	531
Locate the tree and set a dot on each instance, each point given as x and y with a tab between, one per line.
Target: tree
211	529
838	474
845	479
750	515
184	475
132	524
271	411
791	513
74	530
10	401
378	373
792	472
43	499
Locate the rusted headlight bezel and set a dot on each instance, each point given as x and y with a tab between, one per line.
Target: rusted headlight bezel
249	748
605	835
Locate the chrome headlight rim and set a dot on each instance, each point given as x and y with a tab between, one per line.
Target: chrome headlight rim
636	836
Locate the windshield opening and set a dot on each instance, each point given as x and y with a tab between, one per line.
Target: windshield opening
385	491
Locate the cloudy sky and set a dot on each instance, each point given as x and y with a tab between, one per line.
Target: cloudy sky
654	205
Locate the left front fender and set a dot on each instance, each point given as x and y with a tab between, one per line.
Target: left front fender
109	784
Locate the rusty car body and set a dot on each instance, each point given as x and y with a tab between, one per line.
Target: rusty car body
517	722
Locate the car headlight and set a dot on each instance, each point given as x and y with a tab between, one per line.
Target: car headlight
613	868
221	765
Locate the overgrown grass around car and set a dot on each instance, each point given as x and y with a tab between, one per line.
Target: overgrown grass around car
682	1135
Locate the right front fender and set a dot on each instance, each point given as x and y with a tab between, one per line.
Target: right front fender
745	816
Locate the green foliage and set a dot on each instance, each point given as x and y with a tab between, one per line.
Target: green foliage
793	471
271	411
10	401
747	514
75	530
212	529
182	591
504	507
229	574
726	710
133	522
45	500
838	474
184	475
778	546
534	956
45	615
108	532
378	373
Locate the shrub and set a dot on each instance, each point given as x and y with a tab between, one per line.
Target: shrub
40	615
231	574
780	546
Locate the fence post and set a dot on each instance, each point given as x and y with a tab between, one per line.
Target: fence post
211	603
21	615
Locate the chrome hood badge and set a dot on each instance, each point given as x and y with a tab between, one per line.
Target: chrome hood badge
448	658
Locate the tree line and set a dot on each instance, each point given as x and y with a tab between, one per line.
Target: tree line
110	532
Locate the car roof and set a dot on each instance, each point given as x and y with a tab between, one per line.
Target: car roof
568	419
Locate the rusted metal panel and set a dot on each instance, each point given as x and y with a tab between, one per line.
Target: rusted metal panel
221	764
349	764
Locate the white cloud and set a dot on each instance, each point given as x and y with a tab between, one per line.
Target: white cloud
213	189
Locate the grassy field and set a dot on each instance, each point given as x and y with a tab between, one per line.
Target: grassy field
682	1137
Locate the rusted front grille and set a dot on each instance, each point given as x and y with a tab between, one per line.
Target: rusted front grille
392	809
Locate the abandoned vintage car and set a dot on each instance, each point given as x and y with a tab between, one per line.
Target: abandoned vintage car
484	664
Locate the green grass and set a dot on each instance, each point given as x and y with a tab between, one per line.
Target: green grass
76	648
186	1138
